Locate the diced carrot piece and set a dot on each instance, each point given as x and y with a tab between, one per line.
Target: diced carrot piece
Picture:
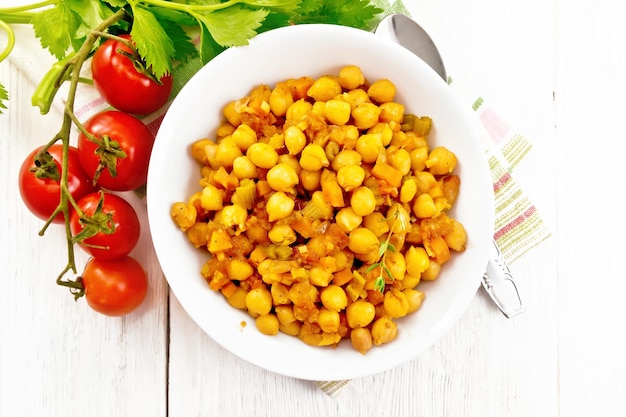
386	172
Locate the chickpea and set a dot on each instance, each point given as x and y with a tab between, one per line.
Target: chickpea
384	330
280	293
318	108
377	223
396	264
351	77
363	201
396	304
234	215
310	180
347	219
231	114
244	137
363	241
361	339
282	177
291	329
211	198
441	161
328	320
350	177
385	131
285	315
391	112
282	234
424	206
298	110
398	219
313	158
294	140
279	206
334	298
320	276
239	269
417	260
400	159
344	158
197	150
369	146
244	168
337	112
432	272
415	299
262	155
259	301
280	99
238	299
408	190
365	115
418	158
382	91
356	97
411	281
267	324
324	88
184	215
457	237
198	234
425	182
360	313
227	151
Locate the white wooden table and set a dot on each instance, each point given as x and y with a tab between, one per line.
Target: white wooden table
555	69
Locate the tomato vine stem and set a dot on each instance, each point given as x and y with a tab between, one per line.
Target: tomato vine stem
74	64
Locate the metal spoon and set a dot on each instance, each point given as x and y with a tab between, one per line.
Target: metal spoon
497	281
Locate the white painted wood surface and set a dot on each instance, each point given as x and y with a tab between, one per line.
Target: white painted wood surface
555	69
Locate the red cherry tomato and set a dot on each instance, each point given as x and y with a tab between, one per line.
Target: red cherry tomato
133	137
114	287
42	195
123	221
121	85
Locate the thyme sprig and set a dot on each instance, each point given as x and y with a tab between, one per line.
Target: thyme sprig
385	247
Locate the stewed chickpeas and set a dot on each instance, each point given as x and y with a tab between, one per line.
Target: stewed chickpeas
322	207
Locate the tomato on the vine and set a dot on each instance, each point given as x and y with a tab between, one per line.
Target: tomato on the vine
117	77
118	159
114	287
110	224
40	186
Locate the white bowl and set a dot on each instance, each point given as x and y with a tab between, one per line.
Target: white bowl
293	52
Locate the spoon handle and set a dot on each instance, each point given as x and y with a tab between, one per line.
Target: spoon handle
498	283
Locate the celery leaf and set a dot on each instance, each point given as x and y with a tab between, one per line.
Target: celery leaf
279	6
183	46
208	49
355	13
153	44
55	28
91	13
233	26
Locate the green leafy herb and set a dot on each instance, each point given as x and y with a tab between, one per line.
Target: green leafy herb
385	247
153	44
355	13
55	27
248	21
4	96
